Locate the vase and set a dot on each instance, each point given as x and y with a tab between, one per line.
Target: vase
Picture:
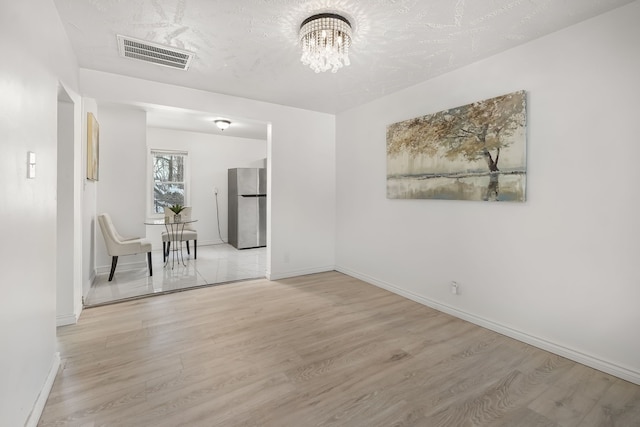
177	218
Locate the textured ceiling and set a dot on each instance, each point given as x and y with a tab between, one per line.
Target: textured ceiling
249	48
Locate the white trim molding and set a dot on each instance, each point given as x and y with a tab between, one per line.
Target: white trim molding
287	274
38	406
556	348
105	269
67	319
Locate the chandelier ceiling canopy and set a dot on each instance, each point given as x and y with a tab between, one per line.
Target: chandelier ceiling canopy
325	39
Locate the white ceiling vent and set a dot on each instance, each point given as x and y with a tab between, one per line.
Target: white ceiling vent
156	53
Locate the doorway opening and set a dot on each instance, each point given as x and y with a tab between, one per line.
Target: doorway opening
207	153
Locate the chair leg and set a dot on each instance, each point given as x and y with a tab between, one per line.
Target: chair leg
164	251
195	249
188	251
114	262
149	260
168	248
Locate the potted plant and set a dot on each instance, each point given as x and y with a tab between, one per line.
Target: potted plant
176	209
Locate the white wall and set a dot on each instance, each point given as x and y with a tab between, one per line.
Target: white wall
210	156
559	271
122	178
69	209
90	227
301	165
36	56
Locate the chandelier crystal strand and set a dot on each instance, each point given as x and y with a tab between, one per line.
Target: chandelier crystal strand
325	40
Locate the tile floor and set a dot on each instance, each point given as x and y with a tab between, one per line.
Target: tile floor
215	264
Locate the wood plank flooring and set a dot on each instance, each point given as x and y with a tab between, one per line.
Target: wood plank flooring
317	350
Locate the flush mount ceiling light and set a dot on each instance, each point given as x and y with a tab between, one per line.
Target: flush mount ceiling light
325	39
222	124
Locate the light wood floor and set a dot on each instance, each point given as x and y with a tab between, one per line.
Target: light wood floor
318	350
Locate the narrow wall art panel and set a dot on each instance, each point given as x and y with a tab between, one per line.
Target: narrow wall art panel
473	152
93	147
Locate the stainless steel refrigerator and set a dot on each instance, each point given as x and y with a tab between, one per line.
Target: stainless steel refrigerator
247	207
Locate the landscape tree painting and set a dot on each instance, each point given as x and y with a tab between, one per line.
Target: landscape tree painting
473	152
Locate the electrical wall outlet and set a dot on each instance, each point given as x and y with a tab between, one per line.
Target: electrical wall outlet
454	288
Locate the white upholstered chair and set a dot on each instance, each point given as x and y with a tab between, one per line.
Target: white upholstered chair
118	245
179	234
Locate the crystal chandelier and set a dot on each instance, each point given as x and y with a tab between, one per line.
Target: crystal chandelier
325	40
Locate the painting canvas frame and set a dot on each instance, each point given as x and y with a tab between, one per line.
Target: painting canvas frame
93	147
473	152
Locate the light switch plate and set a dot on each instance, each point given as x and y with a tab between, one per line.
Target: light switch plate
31	164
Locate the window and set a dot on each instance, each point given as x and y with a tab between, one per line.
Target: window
169	180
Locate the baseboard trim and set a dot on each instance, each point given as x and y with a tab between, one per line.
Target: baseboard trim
577	356
288	274
38	406
211	242
67	319
104	269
